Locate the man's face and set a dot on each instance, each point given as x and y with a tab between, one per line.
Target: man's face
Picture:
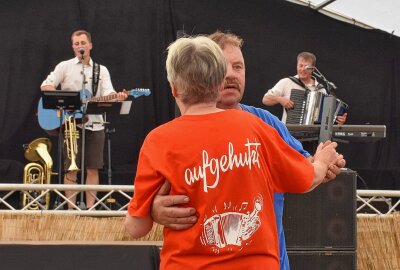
302	72
233	89
81	41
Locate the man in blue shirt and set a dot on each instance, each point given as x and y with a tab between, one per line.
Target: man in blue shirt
166	209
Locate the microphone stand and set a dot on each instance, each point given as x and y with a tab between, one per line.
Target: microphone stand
328	108
81	203
108	131
329	85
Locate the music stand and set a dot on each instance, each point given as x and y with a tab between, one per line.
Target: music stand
327	120
113	108
61	100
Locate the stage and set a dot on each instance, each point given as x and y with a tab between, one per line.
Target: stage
96	239
60	255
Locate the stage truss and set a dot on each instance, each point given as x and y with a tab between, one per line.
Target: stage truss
113	200
377	202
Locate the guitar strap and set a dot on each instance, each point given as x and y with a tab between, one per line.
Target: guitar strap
95	78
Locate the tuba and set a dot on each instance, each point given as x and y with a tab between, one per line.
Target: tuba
39	171
71	141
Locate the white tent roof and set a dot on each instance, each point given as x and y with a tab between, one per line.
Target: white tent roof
371	14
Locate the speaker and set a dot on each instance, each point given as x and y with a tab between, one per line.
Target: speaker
87	256
326	260
324	218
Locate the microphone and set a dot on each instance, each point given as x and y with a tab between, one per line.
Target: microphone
309	67
332	85
81	50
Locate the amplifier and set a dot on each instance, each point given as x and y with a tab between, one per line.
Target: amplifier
324	260
323	219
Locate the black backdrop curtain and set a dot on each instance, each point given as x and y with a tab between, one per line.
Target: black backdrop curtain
130	37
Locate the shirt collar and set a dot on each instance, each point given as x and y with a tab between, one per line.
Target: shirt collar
315	79
76	61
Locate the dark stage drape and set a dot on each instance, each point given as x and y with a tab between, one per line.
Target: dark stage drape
130	38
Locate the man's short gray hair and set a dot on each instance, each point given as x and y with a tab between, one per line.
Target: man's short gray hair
307	56
197	68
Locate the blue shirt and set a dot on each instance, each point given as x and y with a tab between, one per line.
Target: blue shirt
274	122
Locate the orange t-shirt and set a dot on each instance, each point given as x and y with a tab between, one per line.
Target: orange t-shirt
229	163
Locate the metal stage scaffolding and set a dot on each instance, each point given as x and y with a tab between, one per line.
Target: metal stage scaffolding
366	199
111	200
377	202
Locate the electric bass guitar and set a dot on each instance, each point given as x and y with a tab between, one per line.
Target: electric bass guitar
49	119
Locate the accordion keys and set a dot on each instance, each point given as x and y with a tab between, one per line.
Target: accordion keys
307	107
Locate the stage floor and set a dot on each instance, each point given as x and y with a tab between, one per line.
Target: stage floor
67	255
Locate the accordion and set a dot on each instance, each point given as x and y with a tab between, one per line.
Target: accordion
232	228
308	107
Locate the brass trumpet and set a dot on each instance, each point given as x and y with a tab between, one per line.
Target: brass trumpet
39	171
71	141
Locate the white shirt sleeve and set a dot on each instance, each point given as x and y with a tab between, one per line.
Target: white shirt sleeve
280	89
56	76
105	86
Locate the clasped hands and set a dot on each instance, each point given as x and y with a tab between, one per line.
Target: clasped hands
333	167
